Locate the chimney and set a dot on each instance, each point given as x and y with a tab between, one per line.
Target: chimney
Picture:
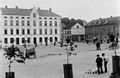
16	7
50	9
6	6
110	16
38	8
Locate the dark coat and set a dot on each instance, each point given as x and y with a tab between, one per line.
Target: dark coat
99	61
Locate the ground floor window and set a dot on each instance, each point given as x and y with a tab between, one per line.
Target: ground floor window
56	39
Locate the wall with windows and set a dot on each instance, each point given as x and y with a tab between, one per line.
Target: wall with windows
34	28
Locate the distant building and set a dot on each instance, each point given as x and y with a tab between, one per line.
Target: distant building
34	25
67	34
102	27
75	33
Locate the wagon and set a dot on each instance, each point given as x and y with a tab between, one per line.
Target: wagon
30	52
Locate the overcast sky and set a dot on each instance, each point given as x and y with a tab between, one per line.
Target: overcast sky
78	9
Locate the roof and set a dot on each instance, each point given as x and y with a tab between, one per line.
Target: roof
77	24
26	12
14	11
47	13
105	21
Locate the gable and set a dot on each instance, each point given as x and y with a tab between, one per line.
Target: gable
77	26
34	14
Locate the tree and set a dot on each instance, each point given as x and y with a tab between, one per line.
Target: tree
13	53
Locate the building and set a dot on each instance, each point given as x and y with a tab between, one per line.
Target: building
34	25
66	34
102	27
75	32
78	32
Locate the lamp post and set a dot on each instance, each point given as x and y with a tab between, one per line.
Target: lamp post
68	73
26	56
115	62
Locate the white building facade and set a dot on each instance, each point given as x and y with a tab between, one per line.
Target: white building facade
34	25
78	32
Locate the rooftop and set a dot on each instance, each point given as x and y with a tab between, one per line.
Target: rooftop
26	12
105	21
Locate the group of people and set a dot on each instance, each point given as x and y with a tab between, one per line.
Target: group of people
100	61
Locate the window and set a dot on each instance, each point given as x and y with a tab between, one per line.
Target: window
55	23
34	15
23	40
51	39
23	23
56	39
40	31
45	18
11	31
28	40
5	22
11	17
5	16
17	31
45	31
40	23
34	31
17	17
28	17
40	39
17	23
77	26
28	23
40	18
23	31
45	23
55	18
23	17
50	18
28	31
5	40
5	31
34	23
11	22
50	23
50	31
55	31
11	40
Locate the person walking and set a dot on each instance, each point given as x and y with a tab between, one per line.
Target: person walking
105	60
98	46
99	64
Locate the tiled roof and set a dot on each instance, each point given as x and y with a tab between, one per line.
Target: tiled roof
46	13
25	12
14	11
105	21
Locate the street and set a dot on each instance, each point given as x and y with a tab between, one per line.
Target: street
50	60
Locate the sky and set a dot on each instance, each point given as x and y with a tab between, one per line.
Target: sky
77	9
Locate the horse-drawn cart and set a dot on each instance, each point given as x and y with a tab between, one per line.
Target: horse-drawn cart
30	52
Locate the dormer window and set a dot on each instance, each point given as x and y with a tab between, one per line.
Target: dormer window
77	26
34	15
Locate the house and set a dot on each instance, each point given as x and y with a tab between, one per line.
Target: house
75	32
34	25
102	28
78	32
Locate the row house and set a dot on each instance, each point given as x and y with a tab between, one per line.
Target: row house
34	25
102	27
